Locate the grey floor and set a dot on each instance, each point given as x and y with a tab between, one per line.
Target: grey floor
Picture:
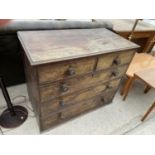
115	119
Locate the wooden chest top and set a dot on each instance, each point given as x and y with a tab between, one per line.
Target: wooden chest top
58	45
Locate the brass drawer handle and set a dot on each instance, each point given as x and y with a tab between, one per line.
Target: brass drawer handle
62	103
64	87
116	61
71	71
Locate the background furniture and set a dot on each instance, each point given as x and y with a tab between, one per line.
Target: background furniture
144	34
11	65
147	76
70	72
140	62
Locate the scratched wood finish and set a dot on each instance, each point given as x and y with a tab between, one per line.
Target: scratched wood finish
75	84
67	69
57	71
59	45
114	59
80	108
32	86
70	72
64	101
77	110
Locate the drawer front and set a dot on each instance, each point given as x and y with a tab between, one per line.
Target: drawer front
61	70
80	108
48	108
114	59
77	109
76	84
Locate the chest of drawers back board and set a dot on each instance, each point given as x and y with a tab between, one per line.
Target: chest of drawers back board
70	72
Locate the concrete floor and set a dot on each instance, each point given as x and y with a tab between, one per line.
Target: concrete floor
117	118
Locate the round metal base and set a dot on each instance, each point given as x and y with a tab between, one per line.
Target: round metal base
9	121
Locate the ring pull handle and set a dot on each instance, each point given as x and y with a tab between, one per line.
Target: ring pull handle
71	71
64	87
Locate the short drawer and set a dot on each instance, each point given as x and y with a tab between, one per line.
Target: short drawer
48	108
114	59
67	69
72	85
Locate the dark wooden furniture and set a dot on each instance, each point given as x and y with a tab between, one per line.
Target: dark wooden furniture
148	77
11	64
144	34
70	72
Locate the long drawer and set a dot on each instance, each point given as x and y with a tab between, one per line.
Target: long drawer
68	86
62	70
48	108
77	109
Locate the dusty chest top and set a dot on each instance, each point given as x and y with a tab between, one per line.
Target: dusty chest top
58	45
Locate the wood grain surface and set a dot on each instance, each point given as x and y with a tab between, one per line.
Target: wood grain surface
76	110
75	84
148	76
70	72
68	100
59	45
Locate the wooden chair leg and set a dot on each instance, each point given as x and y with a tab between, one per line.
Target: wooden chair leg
148	112
127	88
124	87
146	90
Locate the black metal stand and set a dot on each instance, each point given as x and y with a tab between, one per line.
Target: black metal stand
13	116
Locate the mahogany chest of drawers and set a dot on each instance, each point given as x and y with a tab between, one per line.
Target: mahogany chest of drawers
70	72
